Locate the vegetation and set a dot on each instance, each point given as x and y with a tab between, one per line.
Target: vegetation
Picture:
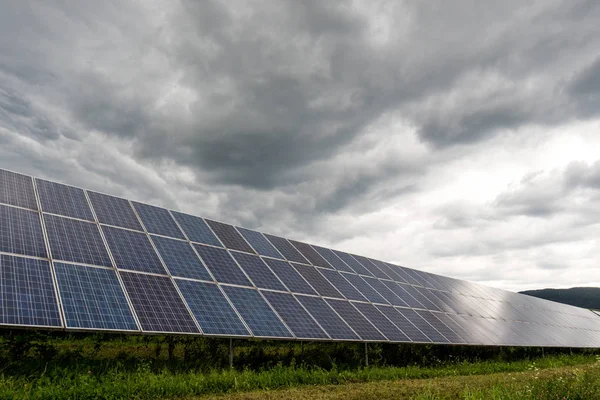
85	366
586	297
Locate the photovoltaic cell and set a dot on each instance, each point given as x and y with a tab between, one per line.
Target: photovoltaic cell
222	266
407	327
289	276
431	296
467	335
92	298
385	292
257	314
359	324
258	271
180	258
157	304
352	263
211	309
317	281
420	297
296	318
196	229
17	190
398	289
441	327
229	236
359	283
77	241
286	249
402	273
21	232
327	318
63	200
381	322
132	250
342	285
388	270
114	211
310	254
372	268
158	220
27	295
423	325
332	259
260	243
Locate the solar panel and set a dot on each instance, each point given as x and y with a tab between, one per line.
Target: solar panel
157	304
332	259
286	249
385	292
412	332
257	314
317	281
441	327
211	309
17	190
132	250
335	327
384	325
27	296
63	200
467	336
222	266
401	272
180	258
352	263
310	254
296	318
158	220
290	277
196	229
342	285
356	320
229	236
423	325
92	298
76	241
372	268
388	270
359	283
420	297
114	211
258	271
260	243
21	232
398	289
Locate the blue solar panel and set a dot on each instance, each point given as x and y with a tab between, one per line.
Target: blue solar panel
196	229
229	236
286	249
158	220
432	297
327	318
441	327
21	232
260	243
388	270
92	298
114	211
359	283
466	335
385	292
423	325
398	289
27	295
420	297
132	250
384	325
372	268
157	304
257	314
317	281
296	318
352	263
211	309
359	324
342	285
222	266
332	259
17	190
310	254
401	272
180	258
289	276
77	241
258	271
63	200
407	327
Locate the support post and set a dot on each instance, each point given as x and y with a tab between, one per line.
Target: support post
230	353
542	352
302	351
366	354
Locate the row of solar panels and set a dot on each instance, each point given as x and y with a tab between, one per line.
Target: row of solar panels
129	266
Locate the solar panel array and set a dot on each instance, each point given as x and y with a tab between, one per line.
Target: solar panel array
79	260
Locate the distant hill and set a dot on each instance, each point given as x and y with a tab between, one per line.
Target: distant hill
586	297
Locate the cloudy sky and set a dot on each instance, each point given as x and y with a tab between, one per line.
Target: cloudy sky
461	138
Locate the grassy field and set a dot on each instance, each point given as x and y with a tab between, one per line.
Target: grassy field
34	366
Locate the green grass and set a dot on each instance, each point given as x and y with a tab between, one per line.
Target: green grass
117	382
